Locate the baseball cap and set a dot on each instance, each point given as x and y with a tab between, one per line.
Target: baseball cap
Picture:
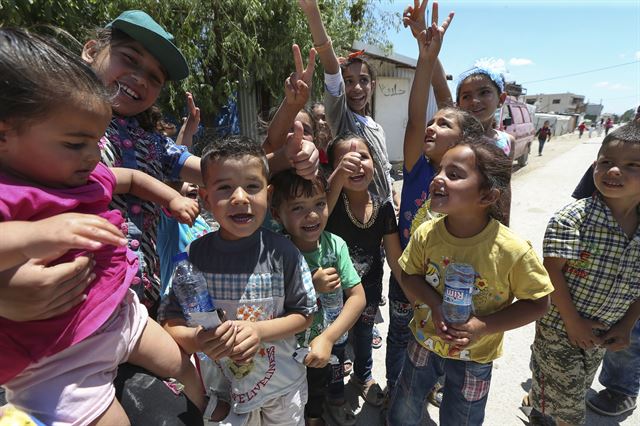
143	29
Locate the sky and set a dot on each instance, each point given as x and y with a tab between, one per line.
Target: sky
542	40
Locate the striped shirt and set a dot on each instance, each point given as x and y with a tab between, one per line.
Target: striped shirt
602	270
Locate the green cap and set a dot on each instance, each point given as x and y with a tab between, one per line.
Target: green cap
143	29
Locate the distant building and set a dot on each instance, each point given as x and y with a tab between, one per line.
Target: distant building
593	111
559	103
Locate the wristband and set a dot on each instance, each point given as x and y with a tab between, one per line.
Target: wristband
324	46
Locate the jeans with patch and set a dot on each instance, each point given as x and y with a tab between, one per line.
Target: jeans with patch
400	314
465	389
621	370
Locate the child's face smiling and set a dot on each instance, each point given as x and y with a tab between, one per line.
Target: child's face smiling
236	193
304	218
358	87
616	172
60	150
480	97
359	181
130	69
442	131
456	187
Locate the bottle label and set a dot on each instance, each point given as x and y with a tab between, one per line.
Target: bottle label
457	296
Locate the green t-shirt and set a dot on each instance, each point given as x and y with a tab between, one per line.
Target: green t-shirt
331	253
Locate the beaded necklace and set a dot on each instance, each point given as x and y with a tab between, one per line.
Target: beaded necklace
354	220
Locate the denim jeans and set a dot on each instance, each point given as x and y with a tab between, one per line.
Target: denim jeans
362	333
621	370
541	145
400	314
465	389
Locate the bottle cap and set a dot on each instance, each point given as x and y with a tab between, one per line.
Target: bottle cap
180	256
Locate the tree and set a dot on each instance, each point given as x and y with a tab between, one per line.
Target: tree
226	42
628	115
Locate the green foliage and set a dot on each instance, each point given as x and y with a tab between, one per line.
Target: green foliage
628	115
226	42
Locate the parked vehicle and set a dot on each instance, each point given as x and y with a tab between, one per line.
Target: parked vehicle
516	119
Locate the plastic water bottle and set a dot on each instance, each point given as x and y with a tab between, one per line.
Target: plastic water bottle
190	288
459	284
332	304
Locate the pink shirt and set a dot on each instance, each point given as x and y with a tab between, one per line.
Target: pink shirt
22	343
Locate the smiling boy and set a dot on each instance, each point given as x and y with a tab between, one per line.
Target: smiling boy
259	279
591	250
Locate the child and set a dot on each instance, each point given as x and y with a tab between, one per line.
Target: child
364	221
424	145
262	282
301	206
581	129
544	135
135	56
473	176
62	369
324	131
174	237
591	253
349	87
480	91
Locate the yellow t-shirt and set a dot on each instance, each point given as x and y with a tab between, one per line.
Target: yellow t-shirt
506	267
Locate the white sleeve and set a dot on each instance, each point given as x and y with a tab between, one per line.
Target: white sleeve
333	83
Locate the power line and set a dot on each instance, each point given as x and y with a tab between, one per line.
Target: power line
580	73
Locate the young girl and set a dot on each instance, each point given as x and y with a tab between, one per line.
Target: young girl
480	91
349	87
364	221
135	56
53	113
424	145
472	178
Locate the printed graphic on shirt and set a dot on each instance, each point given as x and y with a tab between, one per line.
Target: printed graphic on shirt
424	329
361	260
432	274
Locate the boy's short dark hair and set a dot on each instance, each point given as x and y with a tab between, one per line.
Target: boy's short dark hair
235	146
287	185
629	133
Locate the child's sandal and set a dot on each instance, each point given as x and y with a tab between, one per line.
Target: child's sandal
370	391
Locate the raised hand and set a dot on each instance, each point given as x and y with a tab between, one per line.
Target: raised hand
302	154
414	17
193	119
184	209
430	40
297	86
351	162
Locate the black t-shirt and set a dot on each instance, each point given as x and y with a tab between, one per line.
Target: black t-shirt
364	241
586	187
